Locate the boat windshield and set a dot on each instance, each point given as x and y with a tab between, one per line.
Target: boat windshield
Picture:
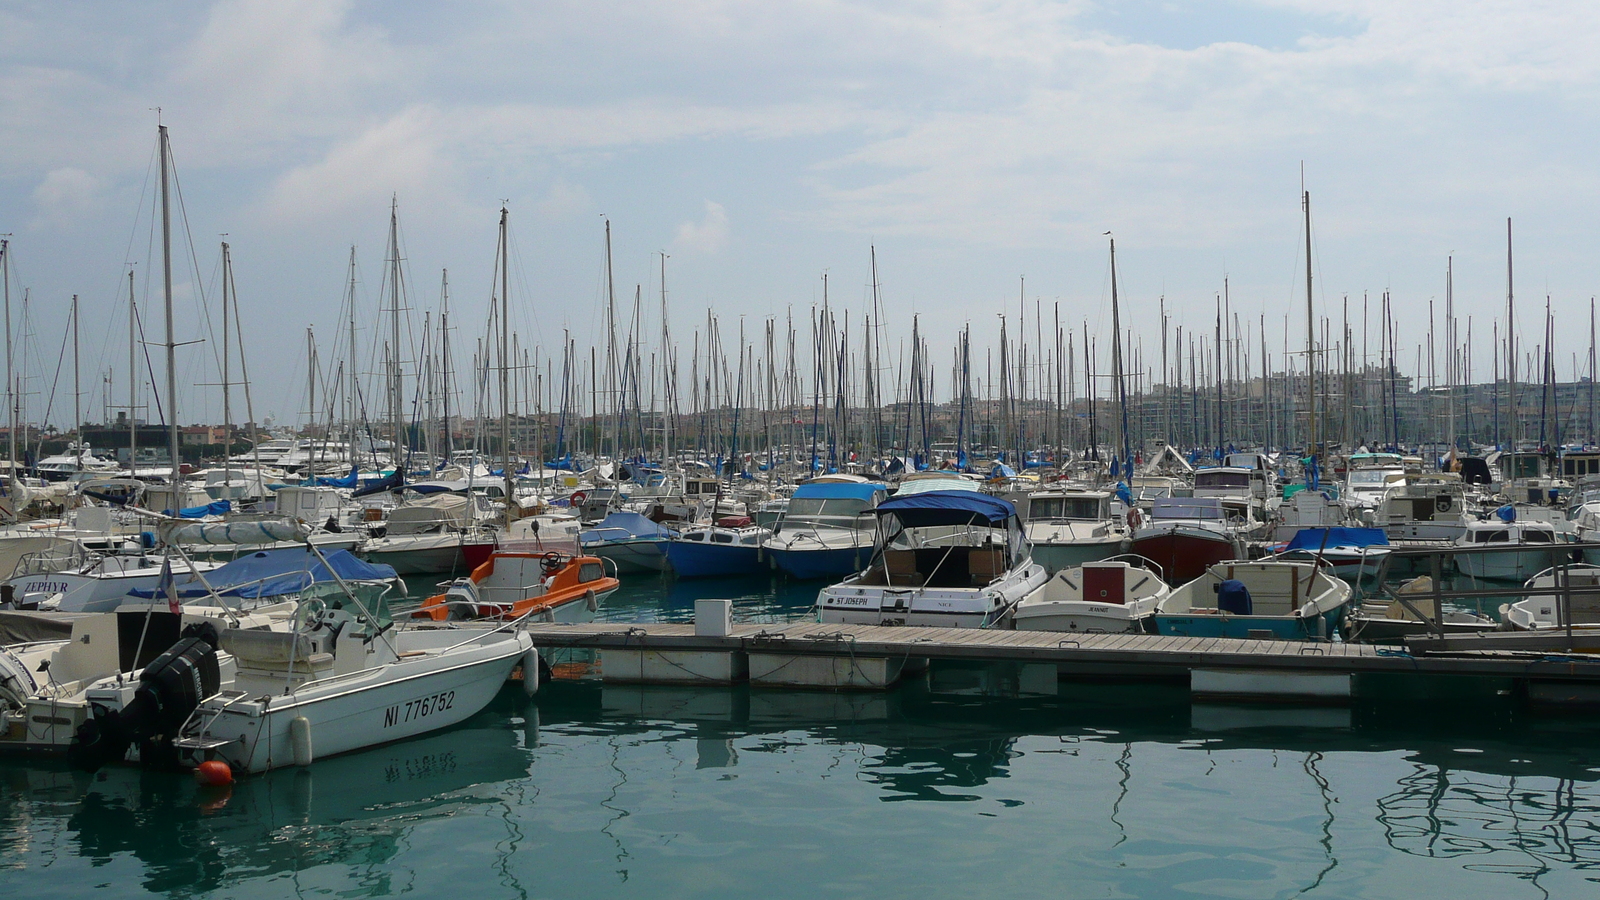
1369	476
1177	509
1064	508
1221	479
825	507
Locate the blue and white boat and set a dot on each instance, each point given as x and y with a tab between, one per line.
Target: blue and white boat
628	539
950	559
1266	600
828	530
718	551
1352	553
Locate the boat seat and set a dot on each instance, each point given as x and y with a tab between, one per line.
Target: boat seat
985	564
261	649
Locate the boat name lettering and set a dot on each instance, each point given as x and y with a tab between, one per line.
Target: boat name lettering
848	601
399	714
45	587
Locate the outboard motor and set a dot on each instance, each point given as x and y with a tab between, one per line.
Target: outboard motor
170	688
1233	597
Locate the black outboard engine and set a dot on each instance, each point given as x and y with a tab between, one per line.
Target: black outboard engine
170	688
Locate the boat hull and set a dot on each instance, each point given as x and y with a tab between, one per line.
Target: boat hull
704	560
638	557
1060	557
1077	616
423	555
1223	625
363	709
1185	554
809	564
1509	565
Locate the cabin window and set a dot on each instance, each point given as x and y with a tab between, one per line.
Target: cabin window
1222	479
1497	537
1538	537
697	536
1064	508
1368	477
591	572
750	539
722	538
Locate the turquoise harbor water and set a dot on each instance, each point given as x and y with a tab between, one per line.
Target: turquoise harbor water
972	780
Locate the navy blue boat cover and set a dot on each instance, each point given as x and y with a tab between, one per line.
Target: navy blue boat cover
1311	538
934	508
274	573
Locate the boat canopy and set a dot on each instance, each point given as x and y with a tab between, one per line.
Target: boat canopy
935	508
867	491
275	573
238	531
1313	539
622	526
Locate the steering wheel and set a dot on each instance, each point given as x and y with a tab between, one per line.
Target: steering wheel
309	616
550	563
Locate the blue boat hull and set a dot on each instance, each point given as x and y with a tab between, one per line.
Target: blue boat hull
818	564
1282	628
703	560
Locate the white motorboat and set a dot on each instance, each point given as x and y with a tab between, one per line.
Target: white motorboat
1264	600
827	531
1109	596
949	559
70	579
1530	547
1069	527
1370	476
341	680
1431	507
1541	611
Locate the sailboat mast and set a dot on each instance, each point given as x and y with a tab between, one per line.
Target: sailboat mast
1311	339
171	345
133	376
1116	364
11	430
395	382
77	393
505	362
227	408
1511	344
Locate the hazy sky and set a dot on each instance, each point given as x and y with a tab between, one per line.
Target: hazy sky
761	144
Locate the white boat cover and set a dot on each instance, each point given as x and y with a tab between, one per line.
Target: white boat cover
251	531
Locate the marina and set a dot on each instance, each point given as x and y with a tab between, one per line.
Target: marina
799	450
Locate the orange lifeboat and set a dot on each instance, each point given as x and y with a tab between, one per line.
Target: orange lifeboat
548	587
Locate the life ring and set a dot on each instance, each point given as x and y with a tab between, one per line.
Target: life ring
1443	502
577	497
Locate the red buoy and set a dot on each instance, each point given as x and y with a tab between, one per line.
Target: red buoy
214	772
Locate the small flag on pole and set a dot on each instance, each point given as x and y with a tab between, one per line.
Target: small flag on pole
166	586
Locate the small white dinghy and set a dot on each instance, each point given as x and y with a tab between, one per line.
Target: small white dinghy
344	679
1107	597
1542	611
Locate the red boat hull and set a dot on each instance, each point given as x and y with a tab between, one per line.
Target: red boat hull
1185	556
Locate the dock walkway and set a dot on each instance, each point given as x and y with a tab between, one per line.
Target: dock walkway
802	639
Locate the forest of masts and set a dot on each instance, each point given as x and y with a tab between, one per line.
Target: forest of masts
825	388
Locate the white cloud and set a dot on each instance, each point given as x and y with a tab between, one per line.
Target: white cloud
62	195
708	236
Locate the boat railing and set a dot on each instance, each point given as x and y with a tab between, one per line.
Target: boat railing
51	560
1428	605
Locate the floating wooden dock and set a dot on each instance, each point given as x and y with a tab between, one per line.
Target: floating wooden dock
872	656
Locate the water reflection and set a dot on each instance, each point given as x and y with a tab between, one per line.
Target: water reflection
351	810
1129	790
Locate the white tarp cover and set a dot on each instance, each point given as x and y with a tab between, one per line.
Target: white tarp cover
251	531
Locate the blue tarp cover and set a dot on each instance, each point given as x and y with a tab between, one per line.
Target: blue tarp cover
622	526
1311	538
214	508
831	491
274	573
948	508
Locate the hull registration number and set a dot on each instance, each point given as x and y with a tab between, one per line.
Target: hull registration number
411	710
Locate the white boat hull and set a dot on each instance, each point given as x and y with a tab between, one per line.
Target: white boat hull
362	709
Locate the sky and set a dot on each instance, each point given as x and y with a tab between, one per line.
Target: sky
760	146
